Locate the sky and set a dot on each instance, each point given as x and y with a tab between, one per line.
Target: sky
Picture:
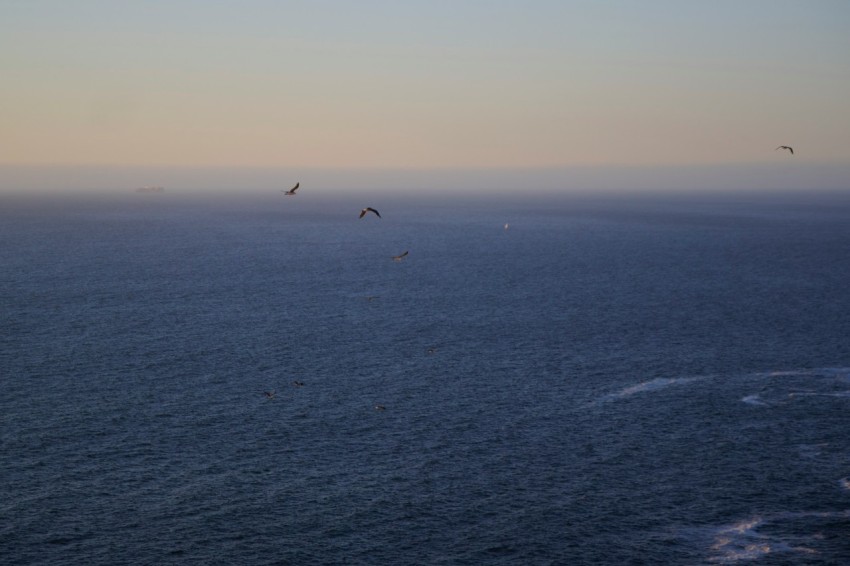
554	93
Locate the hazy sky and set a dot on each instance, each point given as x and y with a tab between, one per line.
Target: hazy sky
424	85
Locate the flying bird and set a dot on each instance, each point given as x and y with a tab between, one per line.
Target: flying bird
400	256
297	383
269	394
291	192
380	408
369	209
789	148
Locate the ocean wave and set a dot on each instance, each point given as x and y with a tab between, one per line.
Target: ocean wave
649	386
790	532
787	386
832	372
755	400
800	380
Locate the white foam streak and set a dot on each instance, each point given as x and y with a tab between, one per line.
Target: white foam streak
839	372
755	400
740	542
649	386
743	541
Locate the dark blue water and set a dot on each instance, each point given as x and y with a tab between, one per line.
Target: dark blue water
613	380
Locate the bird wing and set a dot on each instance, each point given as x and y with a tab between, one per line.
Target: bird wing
375	211
363	212
293	189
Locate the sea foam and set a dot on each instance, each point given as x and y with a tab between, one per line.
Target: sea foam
649	387
745	541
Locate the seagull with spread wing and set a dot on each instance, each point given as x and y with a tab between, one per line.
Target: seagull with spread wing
291	192
369	209
788	147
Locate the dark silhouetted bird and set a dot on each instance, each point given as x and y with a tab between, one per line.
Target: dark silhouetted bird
369	209
789	148
269	394
291	192
400	256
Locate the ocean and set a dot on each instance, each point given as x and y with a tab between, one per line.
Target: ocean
653	379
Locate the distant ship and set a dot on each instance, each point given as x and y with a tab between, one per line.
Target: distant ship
150	189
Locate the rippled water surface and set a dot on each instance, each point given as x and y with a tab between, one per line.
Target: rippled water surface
641	380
